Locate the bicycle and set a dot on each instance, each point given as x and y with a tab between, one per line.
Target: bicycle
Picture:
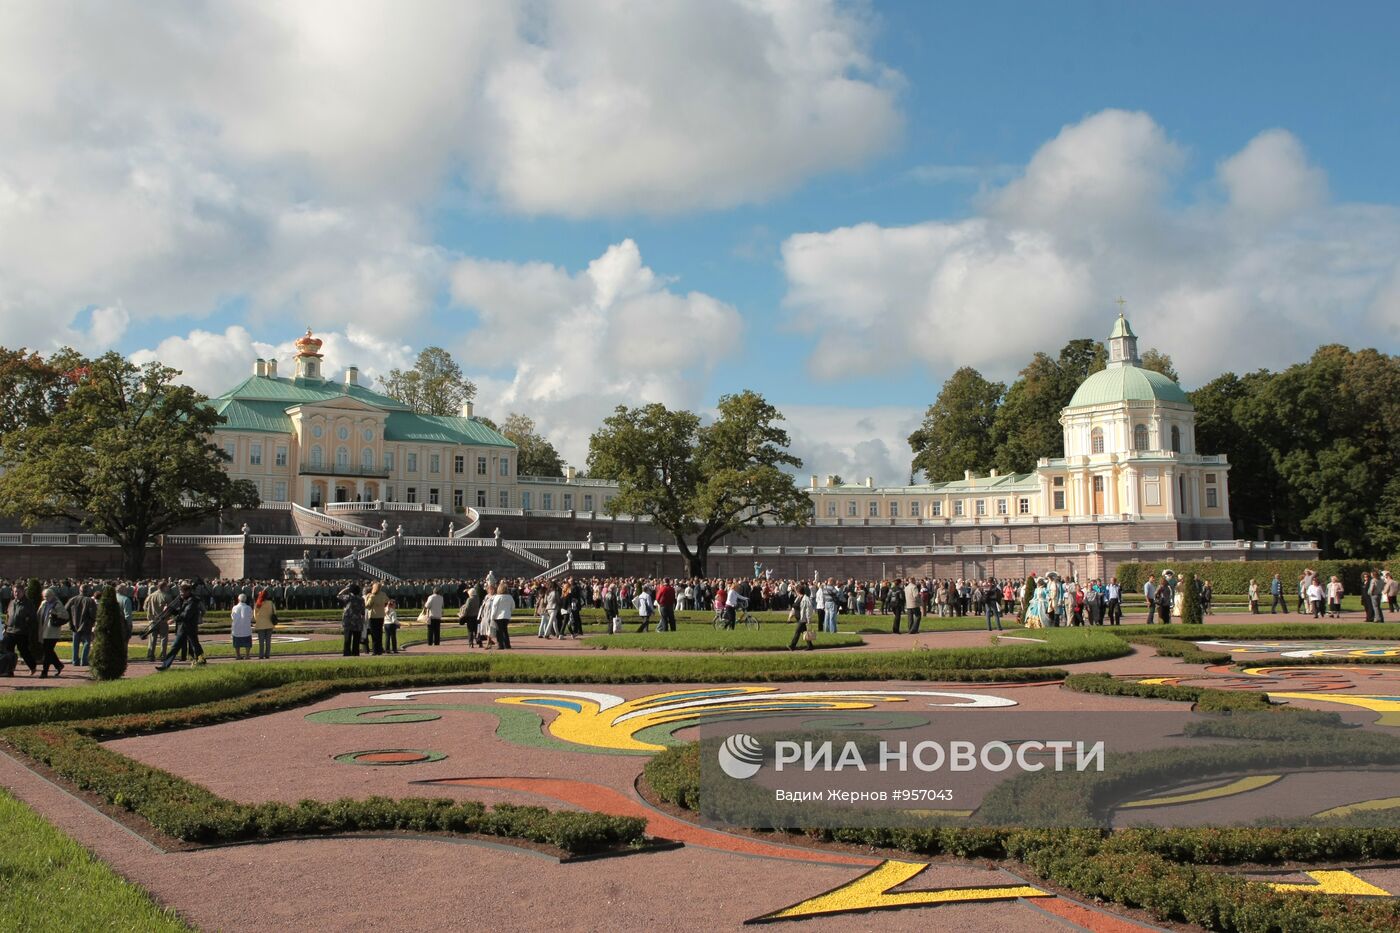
742	616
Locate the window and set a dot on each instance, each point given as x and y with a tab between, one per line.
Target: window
435	463
279	491
1059	500
874	508
914	509
433	496
281	456
231	449
367	459
1059	481
412	494
830	508
316	455
568	502
1023	506
1210	479
525	499
1176	439
1212	498
588	503
505	466
316	430
936	509
851	509
255	453
1001	506
547	500
458	499
505	498
1096	441
368	434
411	462
343	433
480	466
459	464
957	508
481	498
894	508
342	458
1140	437
981	507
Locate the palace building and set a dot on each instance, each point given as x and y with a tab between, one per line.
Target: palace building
1130	456
307	439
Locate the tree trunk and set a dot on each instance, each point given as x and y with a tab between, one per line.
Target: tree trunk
694	559
133	560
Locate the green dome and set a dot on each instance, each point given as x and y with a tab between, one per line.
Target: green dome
1127	384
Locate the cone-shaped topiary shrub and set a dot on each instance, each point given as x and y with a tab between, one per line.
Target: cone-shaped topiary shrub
1190	600
109	638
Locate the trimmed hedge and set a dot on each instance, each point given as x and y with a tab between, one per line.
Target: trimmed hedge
1233	576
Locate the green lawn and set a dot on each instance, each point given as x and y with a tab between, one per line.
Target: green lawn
707	638
52	883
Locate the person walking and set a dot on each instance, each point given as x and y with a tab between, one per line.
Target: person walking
264	620
1164	598
829	609
432	607
20	622
241	628
1114	595
1149	592
643	603
1390	590
52	618
913	605
501	607
1253	597
1373	596
157	606
352	619
82	619
187	611
801	614
666	604
894	603
391	626
1276	591
374	613
991	603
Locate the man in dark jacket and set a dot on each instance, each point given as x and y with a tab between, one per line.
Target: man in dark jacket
20	623
82	618
188	612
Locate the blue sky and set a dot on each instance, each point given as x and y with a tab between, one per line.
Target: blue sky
835	204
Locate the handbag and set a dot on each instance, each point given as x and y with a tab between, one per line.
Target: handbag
423	617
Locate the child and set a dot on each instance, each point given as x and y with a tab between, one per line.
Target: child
391	627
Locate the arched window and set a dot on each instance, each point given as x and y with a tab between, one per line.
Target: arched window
316	455
1096	441
367	459
1140	437
1176	439
342	457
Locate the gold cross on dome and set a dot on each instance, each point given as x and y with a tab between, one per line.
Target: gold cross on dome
1120	304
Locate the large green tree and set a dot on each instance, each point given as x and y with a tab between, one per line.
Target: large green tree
434	386
536	456
130	456
698	482
956	434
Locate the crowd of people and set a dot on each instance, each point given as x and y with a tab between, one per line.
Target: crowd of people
370	617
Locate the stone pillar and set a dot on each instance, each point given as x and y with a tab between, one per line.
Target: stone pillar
1193	492
1111	493
1081	505
1169	491
1130	479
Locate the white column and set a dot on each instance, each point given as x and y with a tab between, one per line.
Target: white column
1169	491
1111	503
1225	493
1193	480
1081	507
1130	478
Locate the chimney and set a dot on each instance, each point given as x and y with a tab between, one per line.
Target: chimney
352	375
260	367
271	369
570	473
831	479
814	481
967	476
870	482
467	409
994	473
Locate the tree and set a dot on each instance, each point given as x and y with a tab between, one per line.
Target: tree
434	386
109	638
1027	424
1190	600
957	431
33	389
700	483
1159	362
130	456
535	455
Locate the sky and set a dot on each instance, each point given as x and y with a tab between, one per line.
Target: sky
611	202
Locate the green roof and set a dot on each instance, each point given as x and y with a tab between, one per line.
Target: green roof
1121	328
1127	384
1006	482
260	403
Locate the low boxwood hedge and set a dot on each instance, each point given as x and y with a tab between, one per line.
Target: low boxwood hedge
1233	576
